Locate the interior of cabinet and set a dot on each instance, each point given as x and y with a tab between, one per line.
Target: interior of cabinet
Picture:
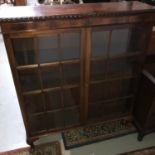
66	76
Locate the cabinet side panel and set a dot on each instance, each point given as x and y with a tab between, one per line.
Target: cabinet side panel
12	63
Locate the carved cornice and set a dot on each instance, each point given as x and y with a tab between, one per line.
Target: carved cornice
75	16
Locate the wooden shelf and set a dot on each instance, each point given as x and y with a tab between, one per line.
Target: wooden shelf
119	57
114	79
50	89
55	110
34	66
114	99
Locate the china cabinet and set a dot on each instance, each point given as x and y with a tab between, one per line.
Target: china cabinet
76	64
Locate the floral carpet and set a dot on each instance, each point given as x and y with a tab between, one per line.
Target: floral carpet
147	151
52	148
92	133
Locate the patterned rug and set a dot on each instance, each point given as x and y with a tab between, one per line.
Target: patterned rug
52	148
89	134
146	151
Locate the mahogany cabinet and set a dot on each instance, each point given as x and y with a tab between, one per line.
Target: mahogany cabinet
76	64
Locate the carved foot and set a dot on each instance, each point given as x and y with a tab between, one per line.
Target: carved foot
30	142
140	137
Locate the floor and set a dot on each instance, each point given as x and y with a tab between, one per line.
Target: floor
12	132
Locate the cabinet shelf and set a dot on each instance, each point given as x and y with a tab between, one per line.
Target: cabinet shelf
106	101
114	79
50	89
55	111
24	67
118	56
114	107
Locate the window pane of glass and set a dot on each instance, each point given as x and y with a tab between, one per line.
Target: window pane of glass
99	43
29	79
97	92
132	67
119	41
123	67
98	69
34	103
71	97
128	86
37	123
71	73
24	51
53	100
109	109
139	37
113	89
70	45
51	76
71	116
55	119
49	55
48	48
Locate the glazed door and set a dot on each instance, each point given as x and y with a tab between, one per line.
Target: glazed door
68	77
116	55
49	71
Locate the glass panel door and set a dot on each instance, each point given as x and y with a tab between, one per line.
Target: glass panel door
49	70
115	64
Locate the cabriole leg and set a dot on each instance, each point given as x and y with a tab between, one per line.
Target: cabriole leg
30	142
140	137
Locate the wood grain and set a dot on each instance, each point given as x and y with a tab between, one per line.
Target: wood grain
74	11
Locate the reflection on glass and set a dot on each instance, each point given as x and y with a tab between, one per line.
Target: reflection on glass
51	48
116	68
58	47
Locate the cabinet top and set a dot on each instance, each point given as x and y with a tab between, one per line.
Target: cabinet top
73	11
